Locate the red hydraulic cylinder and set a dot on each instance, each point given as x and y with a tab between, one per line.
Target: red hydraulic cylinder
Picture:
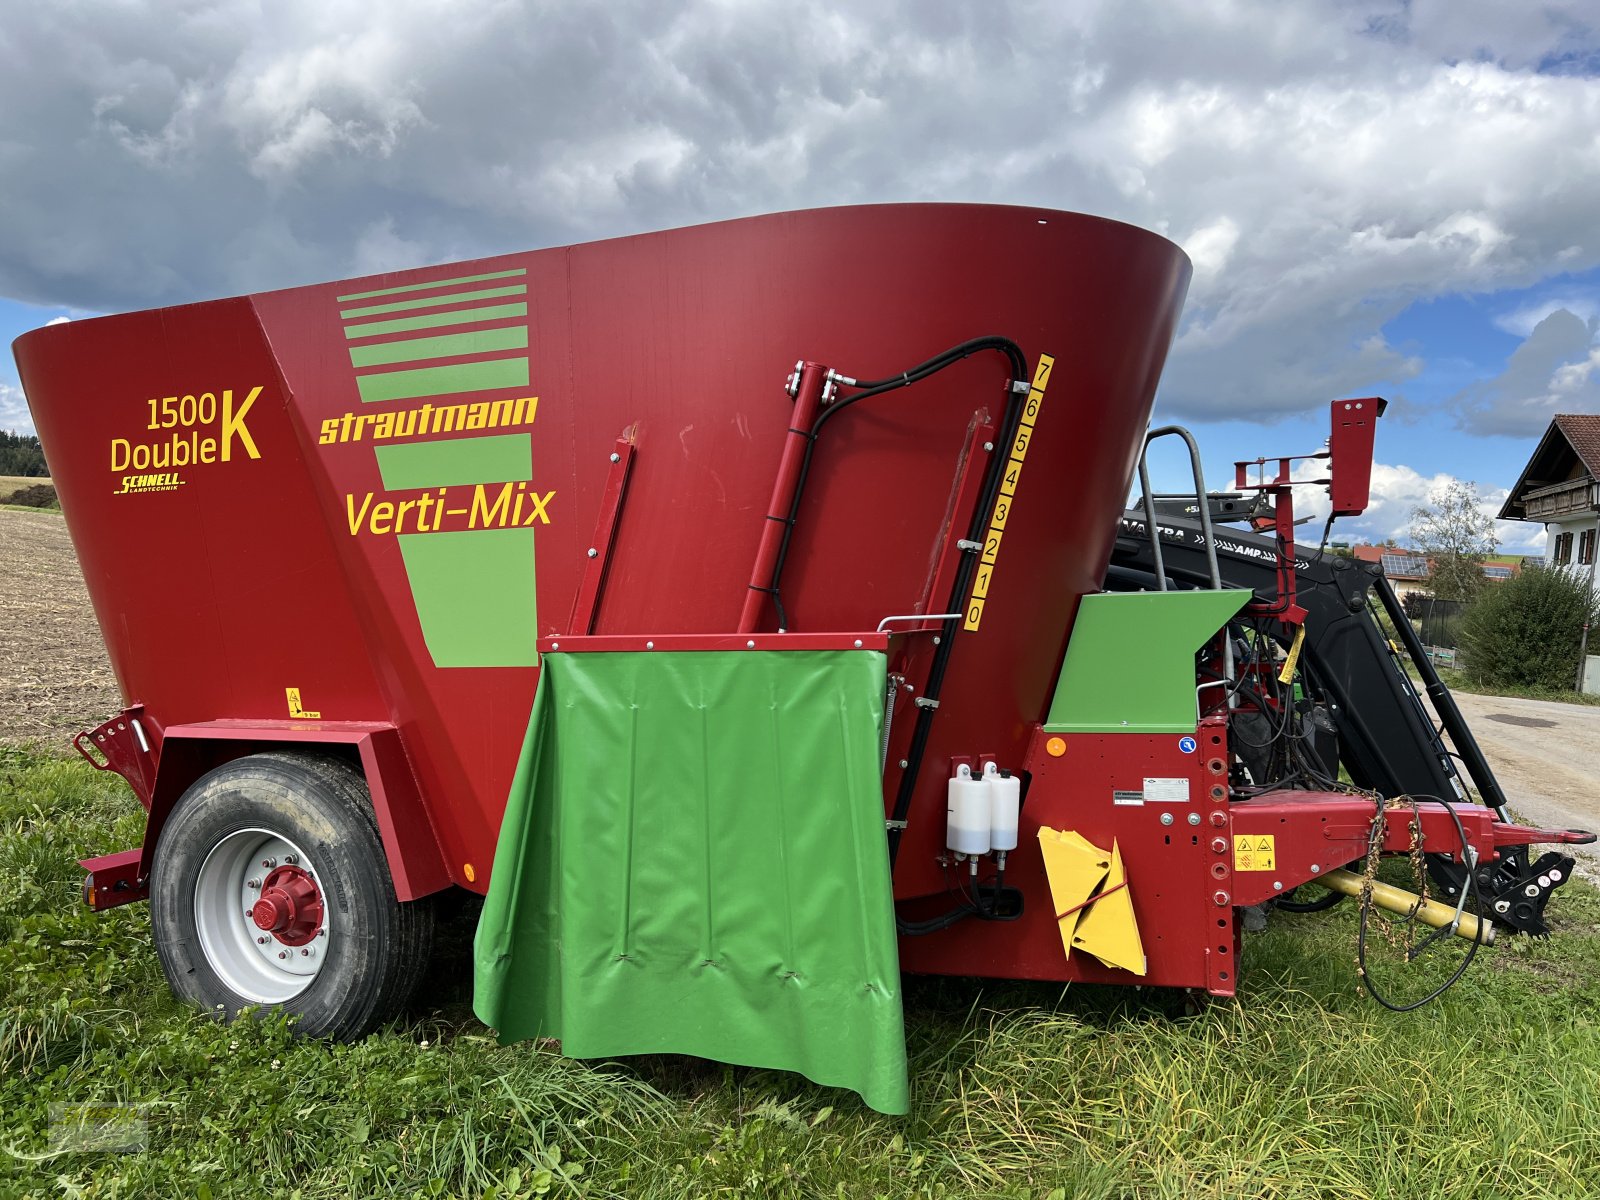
809	380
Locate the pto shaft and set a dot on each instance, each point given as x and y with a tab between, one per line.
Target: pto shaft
1398	900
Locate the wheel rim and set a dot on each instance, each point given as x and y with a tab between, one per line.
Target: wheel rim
259	915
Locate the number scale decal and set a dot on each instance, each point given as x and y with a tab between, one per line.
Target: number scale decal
1008	489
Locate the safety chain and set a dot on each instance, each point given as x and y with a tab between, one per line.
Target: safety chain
1375	840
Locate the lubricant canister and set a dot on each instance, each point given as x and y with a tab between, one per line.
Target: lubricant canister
967	814
1005	804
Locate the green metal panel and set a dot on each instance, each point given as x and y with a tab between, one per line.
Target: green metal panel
1130	663
693	861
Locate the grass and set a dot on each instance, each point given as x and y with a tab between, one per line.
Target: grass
1458	681
1303	1088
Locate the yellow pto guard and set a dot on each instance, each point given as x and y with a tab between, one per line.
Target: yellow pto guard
1093	905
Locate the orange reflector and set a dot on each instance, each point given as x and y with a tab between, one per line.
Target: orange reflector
466	869
1056	747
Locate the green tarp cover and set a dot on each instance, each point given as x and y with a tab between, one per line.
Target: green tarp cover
693	861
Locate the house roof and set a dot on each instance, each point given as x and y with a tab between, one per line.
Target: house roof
1405	566
1582	430
1572	439
1409	566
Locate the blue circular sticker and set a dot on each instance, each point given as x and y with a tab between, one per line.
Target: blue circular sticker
1187	745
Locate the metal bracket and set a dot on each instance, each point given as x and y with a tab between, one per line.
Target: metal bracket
1020	387
969	546
924	702
586	605
894	824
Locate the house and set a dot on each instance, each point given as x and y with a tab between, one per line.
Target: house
1559	489
1407	572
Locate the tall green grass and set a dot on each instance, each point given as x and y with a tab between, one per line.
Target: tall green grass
1303	1088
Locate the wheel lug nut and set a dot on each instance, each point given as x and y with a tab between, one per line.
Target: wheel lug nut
305	953
291	859
261	941
283	954
269	863
253	884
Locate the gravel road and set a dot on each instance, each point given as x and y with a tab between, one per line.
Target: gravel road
1546	756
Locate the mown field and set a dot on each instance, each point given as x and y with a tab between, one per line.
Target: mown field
1303	1088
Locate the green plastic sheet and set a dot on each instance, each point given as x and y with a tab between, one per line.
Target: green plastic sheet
693	861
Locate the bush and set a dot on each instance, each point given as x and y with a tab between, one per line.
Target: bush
1525	632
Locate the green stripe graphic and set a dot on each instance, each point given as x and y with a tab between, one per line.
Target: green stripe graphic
476	596
465	316
372	310
444	381
421	287
480	342
414	465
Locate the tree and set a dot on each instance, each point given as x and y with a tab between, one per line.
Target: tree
1456	535
1525	632
20	455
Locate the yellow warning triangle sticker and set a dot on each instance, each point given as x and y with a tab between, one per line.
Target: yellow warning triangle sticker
1264	844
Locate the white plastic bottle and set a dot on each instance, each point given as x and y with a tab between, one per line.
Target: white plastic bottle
967	814
1005	806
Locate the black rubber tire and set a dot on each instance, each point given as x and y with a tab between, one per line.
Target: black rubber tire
380	946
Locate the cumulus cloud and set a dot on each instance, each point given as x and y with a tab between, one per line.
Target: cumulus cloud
1325	164
14	416
1525	318
1397	491
1555	370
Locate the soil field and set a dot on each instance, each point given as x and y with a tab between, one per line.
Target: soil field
15	483
55	678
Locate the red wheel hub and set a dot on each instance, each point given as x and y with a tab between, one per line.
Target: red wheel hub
290	908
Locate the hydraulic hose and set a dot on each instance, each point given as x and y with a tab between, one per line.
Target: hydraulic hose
967	566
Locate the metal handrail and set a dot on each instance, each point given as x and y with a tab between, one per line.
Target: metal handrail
1200	503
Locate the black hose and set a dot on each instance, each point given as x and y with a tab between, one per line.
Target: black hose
1477	939
877	387
967	565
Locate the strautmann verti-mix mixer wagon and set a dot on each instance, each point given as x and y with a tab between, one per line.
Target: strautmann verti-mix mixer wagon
728	605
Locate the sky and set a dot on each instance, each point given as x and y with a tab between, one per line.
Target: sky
1396	199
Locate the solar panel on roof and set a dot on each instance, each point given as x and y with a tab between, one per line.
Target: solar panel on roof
1404	564
1497	572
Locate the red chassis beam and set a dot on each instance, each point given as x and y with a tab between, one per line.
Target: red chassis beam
1314	832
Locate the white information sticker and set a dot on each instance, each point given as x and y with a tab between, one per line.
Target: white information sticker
1169	790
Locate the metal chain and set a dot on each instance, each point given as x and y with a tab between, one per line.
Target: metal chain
1375	839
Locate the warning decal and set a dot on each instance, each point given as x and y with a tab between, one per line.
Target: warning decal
1254	852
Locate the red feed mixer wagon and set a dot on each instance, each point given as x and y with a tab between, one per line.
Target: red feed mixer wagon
727	605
